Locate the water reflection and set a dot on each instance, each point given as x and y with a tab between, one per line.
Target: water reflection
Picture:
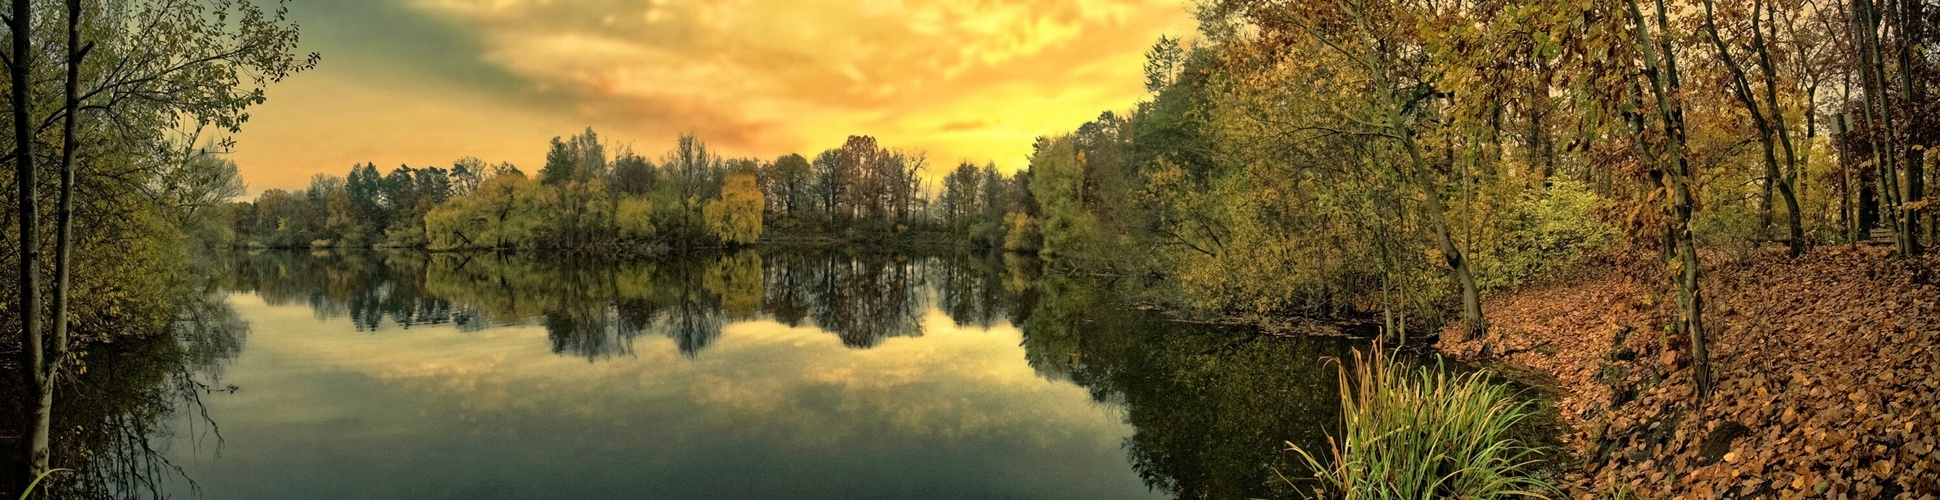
826	374
1211	407
125	396
596	311
744	375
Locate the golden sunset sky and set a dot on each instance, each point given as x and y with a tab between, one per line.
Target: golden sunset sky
425	82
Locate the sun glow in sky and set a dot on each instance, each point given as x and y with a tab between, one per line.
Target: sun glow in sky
424	82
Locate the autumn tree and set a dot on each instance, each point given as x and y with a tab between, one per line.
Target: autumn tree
735	218
633	174
1386	106
130	72
792	178
1767	112
690	168
960	196
466	173
832	182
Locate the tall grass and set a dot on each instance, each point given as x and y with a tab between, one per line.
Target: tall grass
1421	435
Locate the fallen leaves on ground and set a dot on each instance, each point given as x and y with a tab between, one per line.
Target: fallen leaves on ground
1827	370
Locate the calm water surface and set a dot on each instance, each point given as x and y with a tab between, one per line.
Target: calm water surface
745	375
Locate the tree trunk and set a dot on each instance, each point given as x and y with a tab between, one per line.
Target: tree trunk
64	236
1787	182
1771	129
1872	68
1911	27
1471	295
32	355
1663	79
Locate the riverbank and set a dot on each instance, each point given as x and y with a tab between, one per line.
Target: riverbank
913	239
905	240
1828	371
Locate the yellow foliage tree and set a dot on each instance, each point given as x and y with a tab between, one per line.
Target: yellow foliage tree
634	216
502	213
735	218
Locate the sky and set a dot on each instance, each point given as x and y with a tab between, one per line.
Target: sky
425	82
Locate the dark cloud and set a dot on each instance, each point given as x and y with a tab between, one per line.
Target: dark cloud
387	39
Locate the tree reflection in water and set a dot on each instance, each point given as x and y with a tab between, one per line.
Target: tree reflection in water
596	310
1210	406
126	395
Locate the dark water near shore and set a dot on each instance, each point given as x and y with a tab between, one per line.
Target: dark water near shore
746	375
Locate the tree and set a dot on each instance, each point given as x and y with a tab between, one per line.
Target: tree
791	180
905	169
589	156
632	174
867	182
364	188
561	162
690	168
735	218
34	375
1767	117
204	179
466	174
1897	145
1058	175
1378	96
433	185
160	65
399	195
960	195
502	214
832	186
1671	165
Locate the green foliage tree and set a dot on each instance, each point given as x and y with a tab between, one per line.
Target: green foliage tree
1058	183
633	175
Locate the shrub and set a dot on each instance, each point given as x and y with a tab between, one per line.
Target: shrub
1547	230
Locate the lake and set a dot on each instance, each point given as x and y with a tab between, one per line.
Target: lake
755	374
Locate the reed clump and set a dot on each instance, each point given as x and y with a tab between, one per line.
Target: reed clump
1422	434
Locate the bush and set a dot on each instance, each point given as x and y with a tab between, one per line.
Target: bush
1432	435
1546	231
634	217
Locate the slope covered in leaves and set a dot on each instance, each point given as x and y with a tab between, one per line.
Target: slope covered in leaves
1826	366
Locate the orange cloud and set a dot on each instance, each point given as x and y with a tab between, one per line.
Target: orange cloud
969	79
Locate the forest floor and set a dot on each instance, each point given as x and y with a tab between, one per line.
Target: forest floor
1827	370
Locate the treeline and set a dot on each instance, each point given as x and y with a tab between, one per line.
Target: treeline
585	199
1406	157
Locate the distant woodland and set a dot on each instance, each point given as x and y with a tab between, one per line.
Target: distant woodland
587	199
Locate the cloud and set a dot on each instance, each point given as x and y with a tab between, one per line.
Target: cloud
962	79
770	76
951	383
963	126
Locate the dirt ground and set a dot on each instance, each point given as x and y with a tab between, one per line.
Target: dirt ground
1827	370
